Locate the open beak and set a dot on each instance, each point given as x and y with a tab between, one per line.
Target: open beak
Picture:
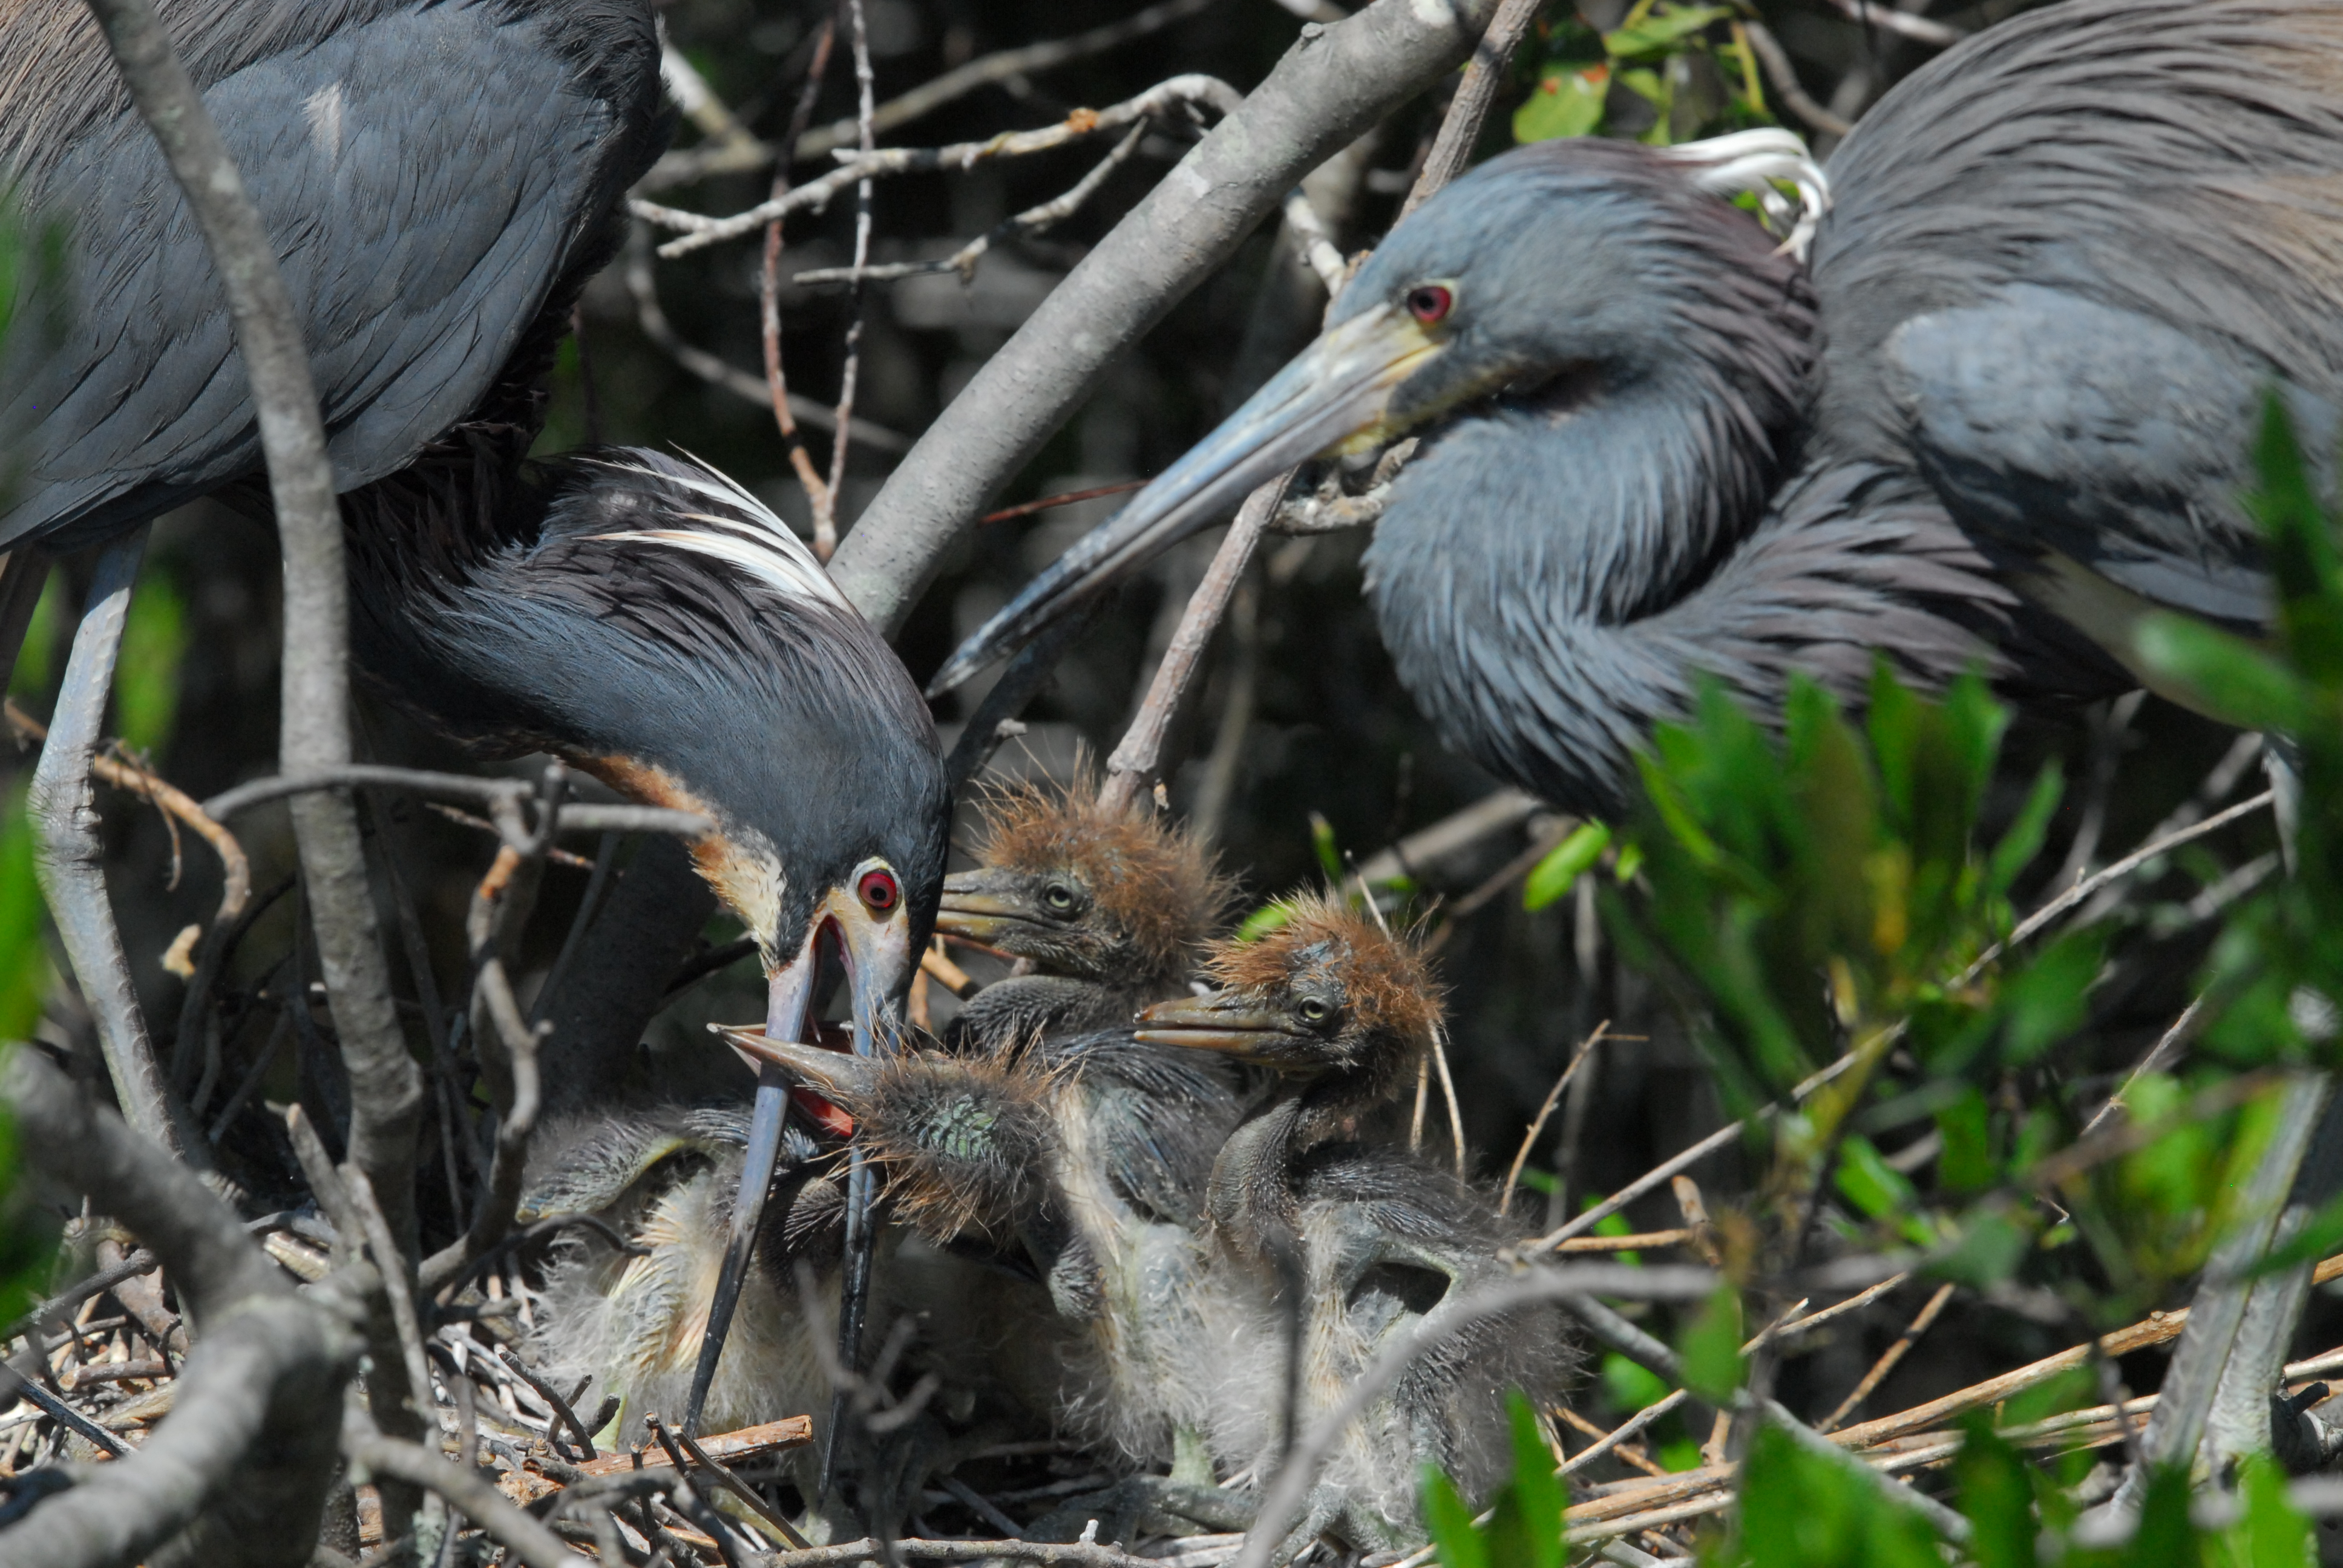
878	959
1225	1023
1336	392
976	910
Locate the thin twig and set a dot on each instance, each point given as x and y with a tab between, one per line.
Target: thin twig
1887	18
1784	76
700	230
1452	149
650	317
235	868
1138	759
587	818
492	1221
477	1501
1893	1354
1537	1122
2159	1056
1005	66
1031	221
769	281
825	517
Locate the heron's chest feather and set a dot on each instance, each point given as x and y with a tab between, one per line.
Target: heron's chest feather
738	863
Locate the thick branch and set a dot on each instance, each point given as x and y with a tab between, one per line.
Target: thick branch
1334	84
246	1453
385	1089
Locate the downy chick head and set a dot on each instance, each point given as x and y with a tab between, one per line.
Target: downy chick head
1121	900
1330	998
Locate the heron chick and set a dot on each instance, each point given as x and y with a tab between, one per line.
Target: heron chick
1112	909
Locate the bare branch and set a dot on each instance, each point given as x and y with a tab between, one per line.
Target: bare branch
466	1492
490	792
1888	19
1138	761
1784	78
1005	66
1452	149
769	283
1032	220
493	1221
651	318
386	1087
825	512
1335	83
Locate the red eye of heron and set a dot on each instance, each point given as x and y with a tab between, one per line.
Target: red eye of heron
1430	302
879	892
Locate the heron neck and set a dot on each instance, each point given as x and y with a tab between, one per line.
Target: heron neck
1526	549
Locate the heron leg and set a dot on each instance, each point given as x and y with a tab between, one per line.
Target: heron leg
69	856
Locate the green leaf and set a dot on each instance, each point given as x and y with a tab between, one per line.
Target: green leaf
1711	1347
1871	1184
146	676
1262	921
1526	1521
2045	1001
1449	1522
1802	1509
1653	34
23	962
2024	841
1562	865
1631	1384
2271	1535
1329	853
1987	1253
1996	1495
1566	102
2227	675
2165	1537
1967	1164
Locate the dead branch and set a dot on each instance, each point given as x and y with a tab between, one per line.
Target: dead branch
492	793
729	157
463	1491
700	230
1331	86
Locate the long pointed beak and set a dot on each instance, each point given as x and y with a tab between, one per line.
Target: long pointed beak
974	908
1336	390
833	1073
1224	1023
788	1009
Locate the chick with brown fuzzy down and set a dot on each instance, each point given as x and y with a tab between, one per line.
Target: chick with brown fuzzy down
1071	1173
1335	1245
1341	1009
1110	909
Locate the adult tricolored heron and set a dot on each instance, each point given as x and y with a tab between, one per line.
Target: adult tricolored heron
442	180
2020	372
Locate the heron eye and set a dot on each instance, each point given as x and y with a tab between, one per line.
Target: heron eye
1059	899
879	892
1314	1011
1430	302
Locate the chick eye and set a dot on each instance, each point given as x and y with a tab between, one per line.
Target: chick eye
879	892
1059	899
1430	302
1314	1011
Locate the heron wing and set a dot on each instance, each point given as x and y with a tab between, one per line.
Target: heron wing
427	174
2179	160
2055	426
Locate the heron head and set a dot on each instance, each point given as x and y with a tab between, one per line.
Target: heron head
753	693
1330	992
1557	272
1084	890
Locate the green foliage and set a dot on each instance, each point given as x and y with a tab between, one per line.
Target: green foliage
1711	1347
2289	936
1557	873
1692	64
1800	1510
146	676
23	961
1524	1529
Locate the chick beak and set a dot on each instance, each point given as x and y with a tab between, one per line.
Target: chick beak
1336	391
982	906
876	951
1225	1023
